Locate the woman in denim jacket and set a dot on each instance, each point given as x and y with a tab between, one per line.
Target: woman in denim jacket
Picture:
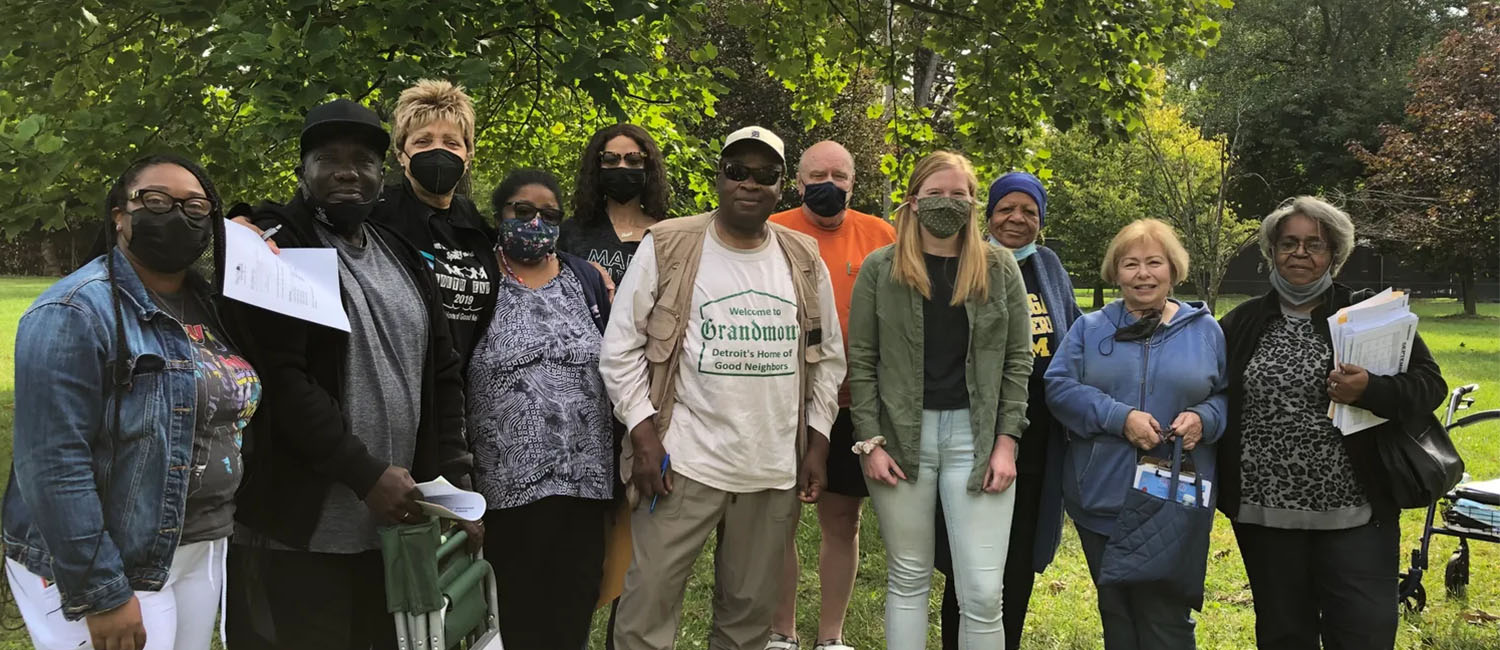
131	404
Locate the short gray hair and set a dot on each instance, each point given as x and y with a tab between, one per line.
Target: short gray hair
1334	223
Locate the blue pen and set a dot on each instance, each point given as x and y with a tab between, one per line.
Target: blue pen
665	461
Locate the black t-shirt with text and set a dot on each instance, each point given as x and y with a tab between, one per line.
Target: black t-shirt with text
597	242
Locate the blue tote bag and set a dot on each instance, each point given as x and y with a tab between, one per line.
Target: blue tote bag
1160	542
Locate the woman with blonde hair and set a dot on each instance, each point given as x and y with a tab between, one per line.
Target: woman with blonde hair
1127	380
433	135
939	357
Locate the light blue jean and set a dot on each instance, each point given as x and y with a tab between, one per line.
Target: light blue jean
978	531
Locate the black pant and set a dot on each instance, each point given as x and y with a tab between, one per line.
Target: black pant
1339	585
549	558
1019	576
1136	617
296	600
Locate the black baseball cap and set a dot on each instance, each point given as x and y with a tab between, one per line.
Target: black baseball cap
344	118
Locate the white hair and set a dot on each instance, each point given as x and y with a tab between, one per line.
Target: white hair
1335	224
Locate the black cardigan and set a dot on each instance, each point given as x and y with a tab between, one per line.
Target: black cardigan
302	443
1399	398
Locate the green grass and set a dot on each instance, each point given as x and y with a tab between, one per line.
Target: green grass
1062	608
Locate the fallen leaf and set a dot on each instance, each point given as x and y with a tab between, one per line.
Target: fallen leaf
1479	617
1221	554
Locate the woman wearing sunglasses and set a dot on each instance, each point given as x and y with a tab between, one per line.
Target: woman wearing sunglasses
539	423
622	190
127	430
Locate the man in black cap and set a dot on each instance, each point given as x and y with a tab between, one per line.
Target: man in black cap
349	422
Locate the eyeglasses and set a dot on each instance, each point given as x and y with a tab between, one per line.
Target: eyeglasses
1311	246
161	203
738	172
526	211
634	159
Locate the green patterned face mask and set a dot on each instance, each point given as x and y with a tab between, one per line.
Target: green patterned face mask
943	216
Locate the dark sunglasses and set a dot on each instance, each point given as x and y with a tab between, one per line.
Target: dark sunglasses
162	203
525	211
612	159
738	172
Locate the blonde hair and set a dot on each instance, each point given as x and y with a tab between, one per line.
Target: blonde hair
432	100
1145	230
974	255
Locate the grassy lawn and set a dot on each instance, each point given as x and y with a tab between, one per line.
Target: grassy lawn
1062	608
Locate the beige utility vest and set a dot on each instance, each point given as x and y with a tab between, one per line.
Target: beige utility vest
678	244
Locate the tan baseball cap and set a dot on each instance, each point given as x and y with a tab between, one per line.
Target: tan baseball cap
759	134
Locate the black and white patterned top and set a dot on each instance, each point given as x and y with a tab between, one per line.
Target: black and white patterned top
539	417
1295	471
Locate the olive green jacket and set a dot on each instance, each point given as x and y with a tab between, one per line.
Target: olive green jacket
885	360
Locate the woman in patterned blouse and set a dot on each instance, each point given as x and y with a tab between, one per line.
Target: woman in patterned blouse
1316	528
539	423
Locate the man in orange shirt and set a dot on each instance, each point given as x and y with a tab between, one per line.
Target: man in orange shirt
825	179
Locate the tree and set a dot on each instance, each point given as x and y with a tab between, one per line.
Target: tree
1434	185
85	86
1093	191
1301	79
978	76
1170	170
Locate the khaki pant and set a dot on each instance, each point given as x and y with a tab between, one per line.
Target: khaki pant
753	530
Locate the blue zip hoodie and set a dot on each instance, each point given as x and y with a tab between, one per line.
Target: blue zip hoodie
1094	382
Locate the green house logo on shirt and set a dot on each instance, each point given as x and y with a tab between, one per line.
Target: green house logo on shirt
749	334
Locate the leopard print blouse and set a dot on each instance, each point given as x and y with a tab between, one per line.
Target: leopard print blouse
1295	471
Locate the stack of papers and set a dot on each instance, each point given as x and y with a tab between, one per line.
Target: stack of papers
1376	335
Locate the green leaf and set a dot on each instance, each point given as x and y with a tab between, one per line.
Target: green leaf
28	128
48	143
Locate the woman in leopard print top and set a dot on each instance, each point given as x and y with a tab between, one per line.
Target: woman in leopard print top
1317	531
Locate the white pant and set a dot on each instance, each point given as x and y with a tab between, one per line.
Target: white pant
181	616
978	533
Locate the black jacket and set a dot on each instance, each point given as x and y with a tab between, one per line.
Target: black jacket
1405	398
302	442
401	210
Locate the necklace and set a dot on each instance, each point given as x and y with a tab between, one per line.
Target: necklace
505	263
176	308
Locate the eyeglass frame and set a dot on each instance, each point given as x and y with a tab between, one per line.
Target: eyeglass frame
1290	246
755	172
544	212
138	195
623	160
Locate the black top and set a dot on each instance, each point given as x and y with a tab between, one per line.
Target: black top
1406	399
1033	455
301	444
945	340
597	243
459	249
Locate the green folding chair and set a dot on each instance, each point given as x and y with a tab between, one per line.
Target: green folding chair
442	597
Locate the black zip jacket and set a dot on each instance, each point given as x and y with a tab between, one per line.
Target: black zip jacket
1405	400
302	442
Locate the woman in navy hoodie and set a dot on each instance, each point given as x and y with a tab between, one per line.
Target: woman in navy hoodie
1128	375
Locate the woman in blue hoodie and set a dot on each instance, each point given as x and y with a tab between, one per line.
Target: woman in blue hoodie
1127	376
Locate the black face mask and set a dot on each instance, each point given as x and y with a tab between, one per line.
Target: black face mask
1140	329
170	242
436	170
622	183
825	199
343	218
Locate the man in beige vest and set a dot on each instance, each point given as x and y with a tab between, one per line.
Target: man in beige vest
723	356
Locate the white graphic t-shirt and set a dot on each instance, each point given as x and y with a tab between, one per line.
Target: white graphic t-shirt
735	418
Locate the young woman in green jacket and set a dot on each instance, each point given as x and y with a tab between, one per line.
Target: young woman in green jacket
939	357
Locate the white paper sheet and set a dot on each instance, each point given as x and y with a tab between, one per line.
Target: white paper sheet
1376	335
300	282
442	499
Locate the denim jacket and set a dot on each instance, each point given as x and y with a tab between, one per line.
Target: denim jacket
99	511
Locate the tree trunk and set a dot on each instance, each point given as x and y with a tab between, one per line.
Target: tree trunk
1466	285
1098	294
51	266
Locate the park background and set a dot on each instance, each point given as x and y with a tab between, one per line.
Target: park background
1203	113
